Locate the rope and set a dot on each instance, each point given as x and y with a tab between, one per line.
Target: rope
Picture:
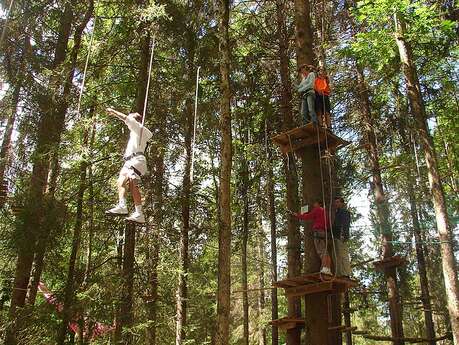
323	185
330	177
323	191
293	156
86	66
145	103
194	124
6	22
148	82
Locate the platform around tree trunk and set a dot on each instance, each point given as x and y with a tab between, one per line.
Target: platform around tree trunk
297	138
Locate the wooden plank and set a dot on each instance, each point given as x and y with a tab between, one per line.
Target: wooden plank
315	278
285	284
303	290
286	323
300	137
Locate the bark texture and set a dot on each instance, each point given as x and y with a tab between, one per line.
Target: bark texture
438	197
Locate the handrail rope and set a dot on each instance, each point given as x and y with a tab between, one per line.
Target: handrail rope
5	25
193	143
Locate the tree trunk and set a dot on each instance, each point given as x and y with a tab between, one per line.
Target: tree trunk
423	280
155	197
273	227
382	208
436	188
414	214
244	188
322	310
91	200
224	247
182	290
69	291
53	165
6	143
125	315
156	184
293	241
49	132
261	284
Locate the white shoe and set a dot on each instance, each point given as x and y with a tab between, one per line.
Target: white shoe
136	217
117	211
325	270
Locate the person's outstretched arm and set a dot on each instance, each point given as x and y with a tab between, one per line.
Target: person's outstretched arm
117	114
306	216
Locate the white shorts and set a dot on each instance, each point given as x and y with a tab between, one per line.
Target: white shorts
139	163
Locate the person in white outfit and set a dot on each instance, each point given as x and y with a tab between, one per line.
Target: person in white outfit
135	165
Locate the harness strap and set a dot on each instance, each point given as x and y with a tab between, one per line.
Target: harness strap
135	154
136	171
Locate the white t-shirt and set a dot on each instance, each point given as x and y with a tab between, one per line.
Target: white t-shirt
135	144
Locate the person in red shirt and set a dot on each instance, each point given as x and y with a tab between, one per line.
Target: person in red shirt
320	226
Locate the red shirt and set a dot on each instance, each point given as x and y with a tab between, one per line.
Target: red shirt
318	217
321	86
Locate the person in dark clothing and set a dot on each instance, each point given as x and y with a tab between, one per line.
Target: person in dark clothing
340	228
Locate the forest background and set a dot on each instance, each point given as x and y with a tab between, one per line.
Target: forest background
64	62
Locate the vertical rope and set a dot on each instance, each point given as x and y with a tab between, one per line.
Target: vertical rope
148	81
193	143
416	156
147	91
86	66
6	22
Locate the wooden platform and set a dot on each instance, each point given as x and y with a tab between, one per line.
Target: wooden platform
287	323
314	283
300	137
393	261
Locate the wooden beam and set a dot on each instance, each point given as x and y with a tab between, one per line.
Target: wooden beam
406	339
287	323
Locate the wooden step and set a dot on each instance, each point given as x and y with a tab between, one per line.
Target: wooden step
287	323
315	283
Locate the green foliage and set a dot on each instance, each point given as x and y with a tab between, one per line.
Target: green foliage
186	37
